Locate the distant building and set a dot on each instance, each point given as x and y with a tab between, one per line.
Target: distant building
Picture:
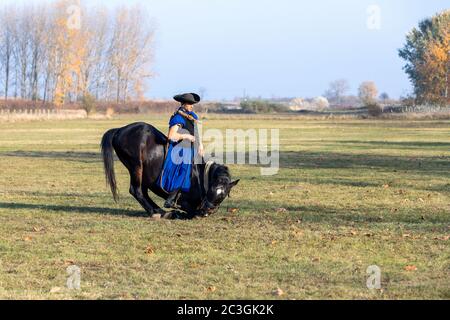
232	107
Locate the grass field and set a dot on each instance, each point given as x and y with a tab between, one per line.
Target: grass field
349	194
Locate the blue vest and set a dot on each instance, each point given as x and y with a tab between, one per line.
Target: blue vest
177	169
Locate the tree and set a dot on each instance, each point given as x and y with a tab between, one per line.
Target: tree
368	92
39	25
427	55
63	52
6	46
336	91
202	92
384	97
130	63
320	103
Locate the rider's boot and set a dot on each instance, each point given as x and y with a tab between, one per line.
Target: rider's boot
170	201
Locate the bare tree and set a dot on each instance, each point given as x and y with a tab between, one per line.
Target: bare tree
129	63
202	92
337	90
6	45
384	97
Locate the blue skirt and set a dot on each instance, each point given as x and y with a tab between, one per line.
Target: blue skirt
176	173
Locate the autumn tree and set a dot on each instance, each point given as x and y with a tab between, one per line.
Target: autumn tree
427	55
367	92
63	52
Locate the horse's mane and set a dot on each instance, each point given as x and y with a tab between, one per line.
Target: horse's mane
221	173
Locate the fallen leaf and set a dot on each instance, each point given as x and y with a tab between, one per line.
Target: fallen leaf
406	235
27	238
37	229
149	250
55	289
421	200
227	219
282	210
233	210
278	292
385	186
444	238
410	268
297	233
211	289
316	259
68	262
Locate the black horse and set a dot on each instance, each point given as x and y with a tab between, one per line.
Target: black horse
141	148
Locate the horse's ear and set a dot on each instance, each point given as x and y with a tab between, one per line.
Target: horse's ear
234	183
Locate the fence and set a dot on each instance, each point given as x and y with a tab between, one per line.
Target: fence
416	109
41	114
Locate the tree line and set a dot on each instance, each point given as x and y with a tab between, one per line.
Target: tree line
62	52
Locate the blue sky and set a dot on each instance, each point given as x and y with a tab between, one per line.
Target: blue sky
277	48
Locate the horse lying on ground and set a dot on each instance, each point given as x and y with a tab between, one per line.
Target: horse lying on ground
141	148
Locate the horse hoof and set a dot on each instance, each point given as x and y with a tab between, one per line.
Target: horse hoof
167	215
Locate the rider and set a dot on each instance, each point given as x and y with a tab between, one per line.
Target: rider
176	174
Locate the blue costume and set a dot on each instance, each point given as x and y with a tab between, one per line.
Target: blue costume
176	173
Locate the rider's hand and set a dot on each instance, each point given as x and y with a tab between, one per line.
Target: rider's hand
189	137
201	150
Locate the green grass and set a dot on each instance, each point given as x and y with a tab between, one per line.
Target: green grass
356	193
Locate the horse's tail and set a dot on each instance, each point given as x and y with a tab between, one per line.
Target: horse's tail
108	161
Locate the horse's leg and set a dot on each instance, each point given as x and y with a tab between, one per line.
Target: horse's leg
156	208
136	189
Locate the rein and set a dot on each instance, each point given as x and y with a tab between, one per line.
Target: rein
206	184
187	116
206	176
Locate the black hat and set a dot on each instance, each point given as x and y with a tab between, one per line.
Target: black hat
189	98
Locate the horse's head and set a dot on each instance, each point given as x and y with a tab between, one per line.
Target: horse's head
219	187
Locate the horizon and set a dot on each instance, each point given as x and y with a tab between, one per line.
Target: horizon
276	49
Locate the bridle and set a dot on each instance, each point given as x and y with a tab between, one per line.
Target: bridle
205	203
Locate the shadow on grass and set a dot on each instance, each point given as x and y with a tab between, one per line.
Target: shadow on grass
77	209
67	156
373	183
347	216
176	215
395	144
65	195
439	166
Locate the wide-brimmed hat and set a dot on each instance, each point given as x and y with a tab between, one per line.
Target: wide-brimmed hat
189	98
